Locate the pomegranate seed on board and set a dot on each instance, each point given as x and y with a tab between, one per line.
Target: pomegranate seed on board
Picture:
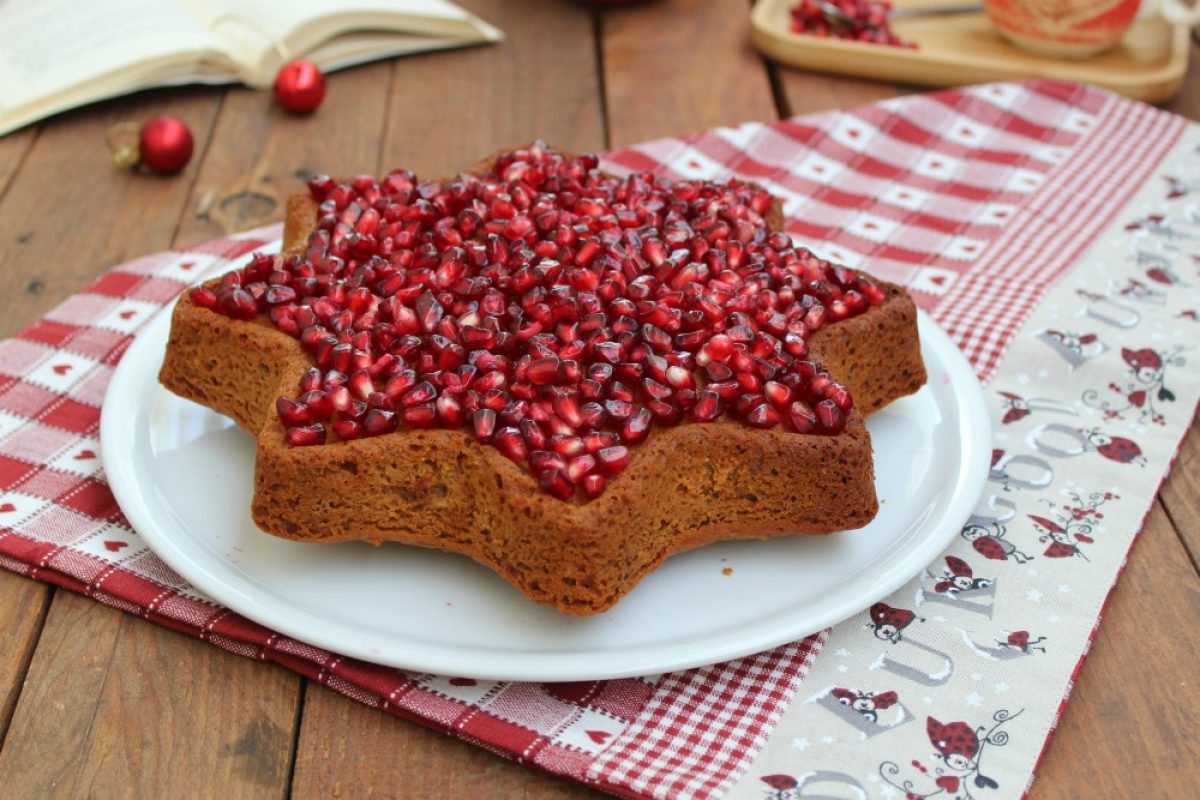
555	312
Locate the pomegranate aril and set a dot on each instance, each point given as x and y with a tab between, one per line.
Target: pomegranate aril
424	415
612	460
593	486
204	297
801	418
450	411
840	396
557	483
580	467
830	417
291	413
346	429
637	427
484	423
510	442
709	406
377	421
763	416
423	392
305	435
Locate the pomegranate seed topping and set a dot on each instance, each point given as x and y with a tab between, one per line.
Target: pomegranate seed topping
801	417
204	297
557	483
556	312
378	421
777	394
709	406
580	467
593	486
612	460
831	418
450	411
305	435
291	413
840	396
484	422
510	442
763	416
637	426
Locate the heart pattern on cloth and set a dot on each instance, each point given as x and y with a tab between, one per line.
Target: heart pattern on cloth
115	546
7	507
948	782
463	682
62	369
127	314
599	737
84	455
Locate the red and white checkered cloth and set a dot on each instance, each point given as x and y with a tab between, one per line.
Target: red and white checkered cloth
942	192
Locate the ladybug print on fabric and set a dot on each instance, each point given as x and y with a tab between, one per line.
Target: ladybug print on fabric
888	622
990	542
866	704
1144	391
1022	642
958	577
961	749
1115	448
1015	408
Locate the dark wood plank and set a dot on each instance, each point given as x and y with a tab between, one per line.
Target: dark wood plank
1181	493
69	212
23	606
449	110
13	149
261	154
91	721
250	168
349	750
802	92
1130	729
678	66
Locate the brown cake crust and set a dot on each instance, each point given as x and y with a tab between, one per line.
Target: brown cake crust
685	486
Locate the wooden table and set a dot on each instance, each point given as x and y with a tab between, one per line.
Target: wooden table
97	703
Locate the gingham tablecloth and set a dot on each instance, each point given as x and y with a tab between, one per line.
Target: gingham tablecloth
1052	229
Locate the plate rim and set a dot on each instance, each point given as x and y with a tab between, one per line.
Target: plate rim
117	431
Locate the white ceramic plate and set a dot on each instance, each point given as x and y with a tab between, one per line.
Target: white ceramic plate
182	474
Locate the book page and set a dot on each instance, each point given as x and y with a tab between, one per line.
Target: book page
266	33
50	46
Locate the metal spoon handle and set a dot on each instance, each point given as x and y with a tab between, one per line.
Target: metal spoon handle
934	11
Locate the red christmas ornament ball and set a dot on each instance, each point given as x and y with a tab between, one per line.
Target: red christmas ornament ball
165	144
300	86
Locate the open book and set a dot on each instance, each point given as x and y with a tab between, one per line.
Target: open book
58	54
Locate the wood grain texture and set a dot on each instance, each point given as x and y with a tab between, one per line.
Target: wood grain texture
13	149
54	234
112	706
23	606
678	66
266	153
348	750
448	110
116	707
1181	493
1131	728
803	92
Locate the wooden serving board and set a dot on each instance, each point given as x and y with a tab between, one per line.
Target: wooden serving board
962	49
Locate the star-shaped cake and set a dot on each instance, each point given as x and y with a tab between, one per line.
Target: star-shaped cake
566	375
